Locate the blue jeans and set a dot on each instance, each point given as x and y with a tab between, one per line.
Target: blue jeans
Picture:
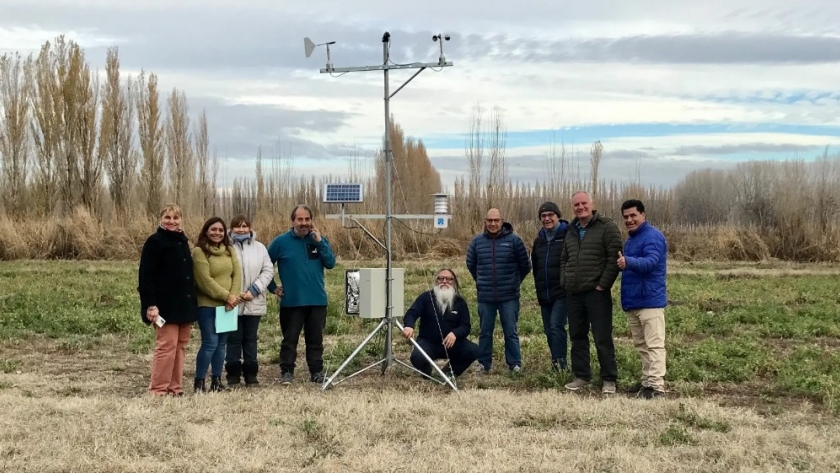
554	327
509	317
212	350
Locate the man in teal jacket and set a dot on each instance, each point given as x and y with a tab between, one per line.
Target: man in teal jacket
301	255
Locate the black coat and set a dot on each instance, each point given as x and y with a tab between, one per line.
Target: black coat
455	320
545	259
166	278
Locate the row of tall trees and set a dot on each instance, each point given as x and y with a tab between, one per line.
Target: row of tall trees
69	139
118	149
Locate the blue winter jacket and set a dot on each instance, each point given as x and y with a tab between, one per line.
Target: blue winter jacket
643	279
498	265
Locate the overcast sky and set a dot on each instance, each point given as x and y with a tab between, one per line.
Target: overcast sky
674	85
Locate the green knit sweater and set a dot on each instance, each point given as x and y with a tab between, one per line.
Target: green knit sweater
216	276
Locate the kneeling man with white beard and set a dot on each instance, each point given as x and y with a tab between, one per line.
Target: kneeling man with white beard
444	326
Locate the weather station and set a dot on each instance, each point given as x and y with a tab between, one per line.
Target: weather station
378	293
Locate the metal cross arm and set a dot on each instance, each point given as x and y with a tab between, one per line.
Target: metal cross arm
415	65
389	67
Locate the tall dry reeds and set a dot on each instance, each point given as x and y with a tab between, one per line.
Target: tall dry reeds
70	166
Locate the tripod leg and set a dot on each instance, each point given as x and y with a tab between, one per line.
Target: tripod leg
353	355
429	359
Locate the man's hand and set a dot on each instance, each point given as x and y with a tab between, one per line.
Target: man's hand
408	332
278	291
449	340
316	234
622	263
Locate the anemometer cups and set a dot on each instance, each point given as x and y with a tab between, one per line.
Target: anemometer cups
439	36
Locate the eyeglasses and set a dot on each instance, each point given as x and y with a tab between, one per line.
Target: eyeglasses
492	220
445	279
546	215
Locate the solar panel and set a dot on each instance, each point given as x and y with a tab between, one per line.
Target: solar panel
343	192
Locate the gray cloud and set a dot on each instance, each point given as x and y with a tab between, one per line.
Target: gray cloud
266	43
252	41
242	128
717	48
741	148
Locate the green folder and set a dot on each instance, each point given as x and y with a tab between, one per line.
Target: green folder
226	320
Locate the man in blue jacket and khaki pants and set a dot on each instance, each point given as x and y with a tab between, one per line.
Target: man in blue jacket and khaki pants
643	295
498	262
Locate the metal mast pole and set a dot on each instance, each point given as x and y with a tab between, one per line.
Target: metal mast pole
388	322
386	42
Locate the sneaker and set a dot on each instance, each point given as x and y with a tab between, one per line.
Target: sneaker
286	378
516	369
480	369
316	377
577	384
650	393
635	389
558	366
608	387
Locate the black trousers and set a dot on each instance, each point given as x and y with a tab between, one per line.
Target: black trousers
462	354
592	309
242	344
310	319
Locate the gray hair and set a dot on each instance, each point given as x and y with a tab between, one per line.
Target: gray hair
454	278
582	192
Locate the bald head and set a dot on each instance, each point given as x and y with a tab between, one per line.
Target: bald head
493	221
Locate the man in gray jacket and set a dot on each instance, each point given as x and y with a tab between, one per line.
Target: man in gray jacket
589	269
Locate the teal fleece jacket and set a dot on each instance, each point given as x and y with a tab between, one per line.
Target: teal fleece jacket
300	265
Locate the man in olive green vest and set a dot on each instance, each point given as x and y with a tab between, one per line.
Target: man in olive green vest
589	269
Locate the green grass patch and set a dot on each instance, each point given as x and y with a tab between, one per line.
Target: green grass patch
779	332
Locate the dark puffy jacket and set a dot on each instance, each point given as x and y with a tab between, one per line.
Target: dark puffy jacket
545	259
498	264
166	279
592	261
643	278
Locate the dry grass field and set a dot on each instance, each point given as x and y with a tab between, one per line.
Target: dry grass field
754	385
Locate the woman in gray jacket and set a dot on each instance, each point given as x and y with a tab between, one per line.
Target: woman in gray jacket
257	273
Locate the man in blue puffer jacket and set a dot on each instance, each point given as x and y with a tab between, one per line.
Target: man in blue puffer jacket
643	295
498	262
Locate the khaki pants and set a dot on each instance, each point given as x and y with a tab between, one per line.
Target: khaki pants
168	362
648	329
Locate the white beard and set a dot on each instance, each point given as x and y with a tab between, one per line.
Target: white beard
444	298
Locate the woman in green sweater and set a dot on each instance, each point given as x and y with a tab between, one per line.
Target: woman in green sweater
218	277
